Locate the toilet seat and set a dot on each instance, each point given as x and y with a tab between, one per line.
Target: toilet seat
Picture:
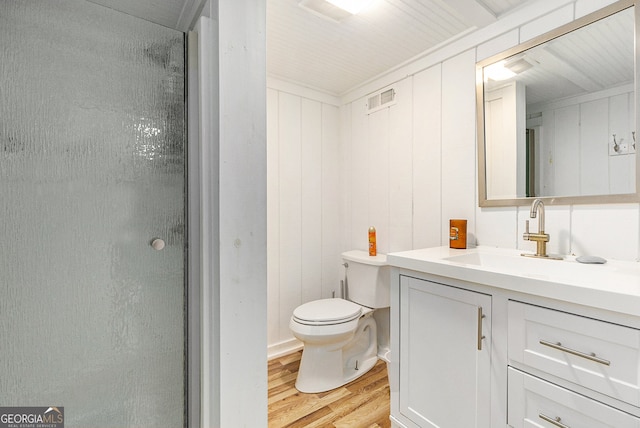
327	312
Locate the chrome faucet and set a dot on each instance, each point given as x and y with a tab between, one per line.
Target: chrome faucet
541	238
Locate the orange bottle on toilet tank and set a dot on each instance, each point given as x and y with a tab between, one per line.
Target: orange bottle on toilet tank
372	241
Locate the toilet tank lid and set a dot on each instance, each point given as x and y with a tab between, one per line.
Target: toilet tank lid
360	256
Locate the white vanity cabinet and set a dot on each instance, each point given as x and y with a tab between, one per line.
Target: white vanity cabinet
485	338
445	355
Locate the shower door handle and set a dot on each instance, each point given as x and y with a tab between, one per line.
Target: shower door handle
157	244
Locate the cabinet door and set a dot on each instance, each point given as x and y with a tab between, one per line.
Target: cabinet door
445	348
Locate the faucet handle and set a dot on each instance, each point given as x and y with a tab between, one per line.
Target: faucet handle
526	226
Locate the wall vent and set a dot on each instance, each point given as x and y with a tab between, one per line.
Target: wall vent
381	100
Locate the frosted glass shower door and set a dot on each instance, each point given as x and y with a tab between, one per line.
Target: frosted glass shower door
92	168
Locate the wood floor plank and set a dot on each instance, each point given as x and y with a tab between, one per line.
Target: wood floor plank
290	358
363	403
298	406
320	418
377	373
282	379
373	398
281	393
341	409
372	411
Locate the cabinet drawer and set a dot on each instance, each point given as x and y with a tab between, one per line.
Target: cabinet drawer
598	355
534	402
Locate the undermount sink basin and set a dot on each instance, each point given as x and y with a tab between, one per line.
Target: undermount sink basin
491	260
534	267
517	264
614	285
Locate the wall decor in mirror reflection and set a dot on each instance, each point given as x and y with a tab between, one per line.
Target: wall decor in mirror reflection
557	115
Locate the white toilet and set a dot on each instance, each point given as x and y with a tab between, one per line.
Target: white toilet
340	335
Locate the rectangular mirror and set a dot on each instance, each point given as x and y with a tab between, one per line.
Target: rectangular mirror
557	115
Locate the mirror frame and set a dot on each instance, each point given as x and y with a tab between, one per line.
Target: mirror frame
480	136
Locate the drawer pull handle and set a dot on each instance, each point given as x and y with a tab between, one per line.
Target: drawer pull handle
591	357
553	421
480	335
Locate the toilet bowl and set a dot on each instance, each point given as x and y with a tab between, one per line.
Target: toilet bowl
338	347
340	335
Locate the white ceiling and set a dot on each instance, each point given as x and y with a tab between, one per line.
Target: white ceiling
337	56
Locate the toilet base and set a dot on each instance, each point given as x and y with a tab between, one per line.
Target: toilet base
322	369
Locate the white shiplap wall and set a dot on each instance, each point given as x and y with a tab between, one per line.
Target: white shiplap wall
378	171
410	168
444	163
303	188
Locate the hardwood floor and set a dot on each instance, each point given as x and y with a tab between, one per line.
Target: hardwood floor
363	403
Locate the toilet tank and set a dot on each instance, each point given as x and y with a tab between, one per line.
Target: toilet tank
367	279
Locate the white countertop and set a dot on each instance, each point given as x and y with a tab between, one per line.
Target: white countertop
613	286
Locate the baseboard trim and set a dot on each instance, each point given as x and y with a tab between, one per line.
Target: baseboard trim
283	348
396	423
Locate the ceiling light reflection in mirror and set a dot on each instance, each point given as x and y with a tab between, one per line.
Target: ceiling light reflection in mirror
557	115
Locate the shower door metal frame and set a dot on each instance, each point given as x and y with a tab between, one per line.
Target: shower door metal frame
192	253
